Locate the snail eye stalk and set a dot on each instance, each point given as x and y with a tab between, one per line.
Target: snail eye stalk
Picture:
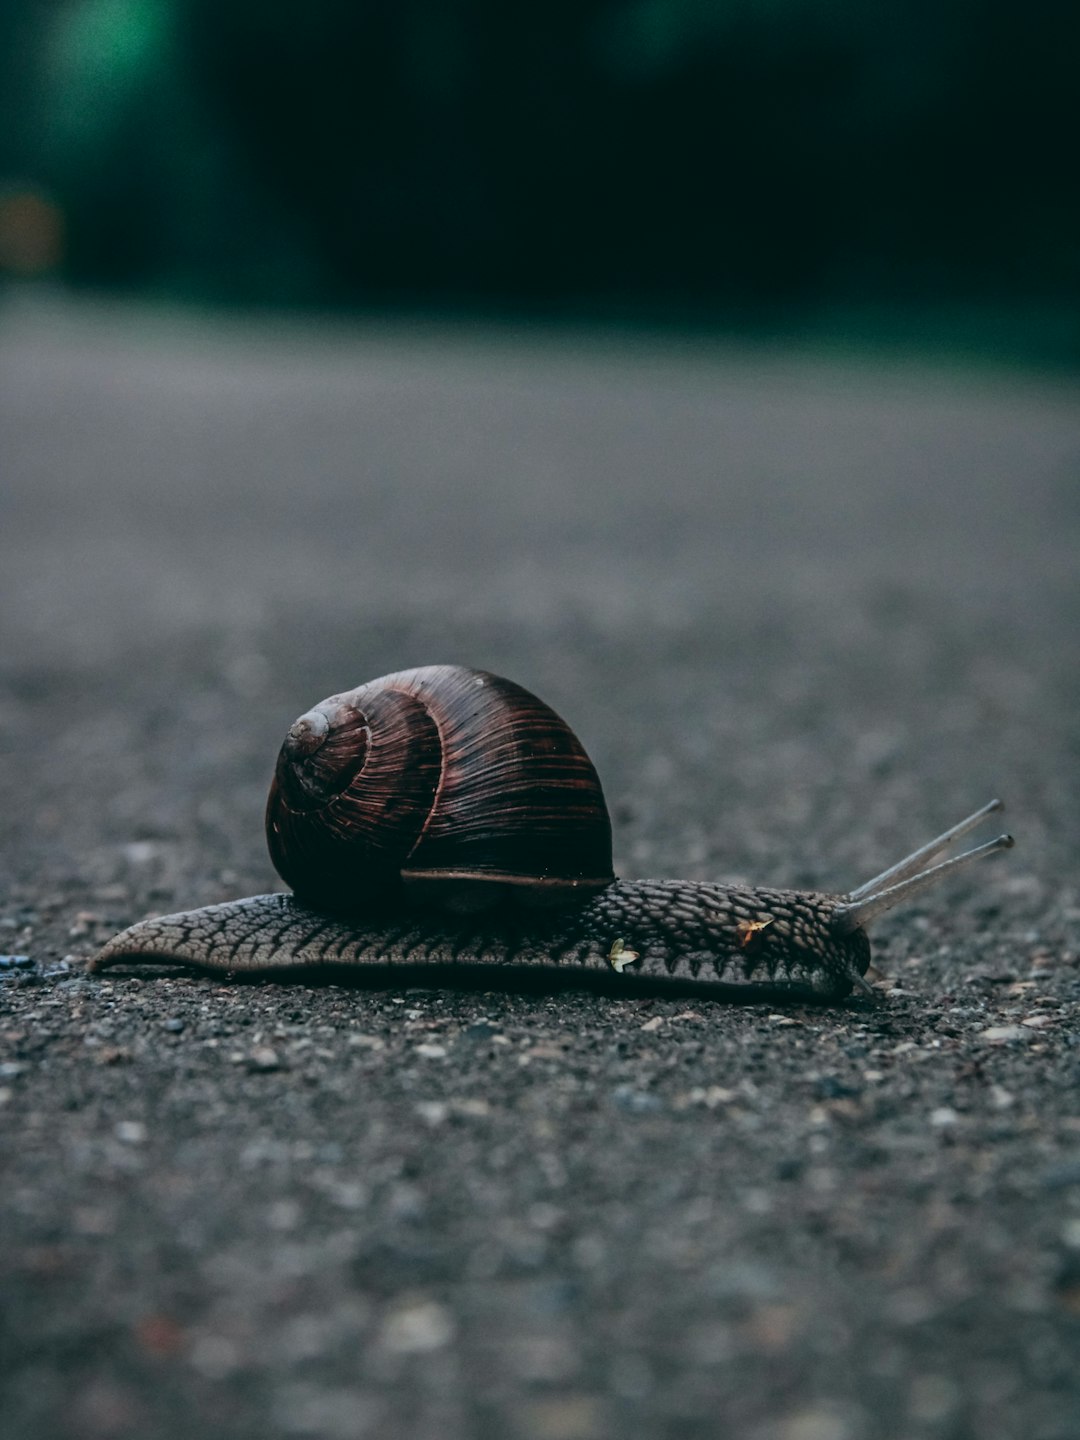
910	876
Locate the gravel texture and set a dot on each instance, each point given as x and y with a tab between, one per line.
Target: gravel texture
803	615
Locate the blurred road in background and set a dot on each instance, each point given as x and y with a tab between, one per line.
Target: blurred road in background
803	614
781	169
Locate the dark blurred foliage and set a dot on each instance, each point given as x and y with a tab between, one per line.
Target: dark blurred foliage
728	161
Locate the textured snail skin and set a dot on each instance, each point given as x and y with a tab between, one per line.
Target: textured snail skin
767	942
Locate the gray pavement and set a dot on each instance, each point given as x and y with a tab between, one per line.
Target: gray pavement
804	614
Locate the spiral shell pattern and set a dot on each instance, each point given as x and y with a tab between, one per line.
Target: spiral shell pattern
457	783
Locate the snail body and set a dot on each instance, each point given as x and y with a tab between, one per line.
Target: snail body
444	816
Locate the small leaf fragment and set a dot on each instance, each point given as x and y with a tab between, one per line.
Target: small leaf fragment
620	958
748	931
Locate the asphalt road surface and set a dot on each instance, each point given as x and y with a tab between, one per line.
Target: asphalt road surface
804	614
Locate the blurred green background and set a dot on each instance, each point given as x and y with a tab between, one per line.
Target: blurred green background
782	166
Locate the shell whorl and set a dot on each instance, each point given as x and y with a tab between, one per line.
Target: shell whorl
448	780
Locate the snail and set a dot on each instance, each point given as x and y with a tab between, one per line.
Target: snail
445	815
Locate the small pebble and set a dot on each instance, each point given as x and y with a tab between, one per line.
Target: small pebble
710	1097
174	1025
819	1422
16	962
472	1106
417	1329
434	1112
264	1058
367	1042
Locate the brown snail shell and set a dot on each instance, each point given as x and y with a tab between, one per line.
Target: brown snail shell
455	783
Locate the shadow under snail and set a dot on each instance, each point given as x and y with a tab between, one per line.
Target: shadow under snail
446	816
